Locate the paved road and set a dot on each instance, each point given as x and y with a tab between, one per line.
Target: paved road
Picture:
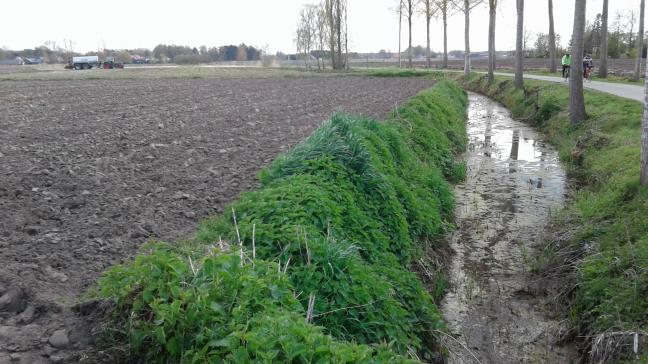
628	91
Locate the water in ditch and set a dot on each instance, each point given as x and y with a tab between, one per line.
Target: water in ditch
514	183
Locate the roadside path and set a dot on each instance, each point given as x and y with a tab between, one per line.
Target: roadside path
619	89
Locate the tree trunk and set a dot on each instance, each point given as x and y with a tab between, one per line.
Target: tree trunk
347	66
339	34
576	98
331	21
552	40
400	30
640	37
603	68
428	53
644	138
467	37
444	65
491	39
409	24
519	51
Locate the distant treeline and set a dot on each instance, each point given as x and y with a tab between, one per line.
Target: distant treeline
188	55
162	53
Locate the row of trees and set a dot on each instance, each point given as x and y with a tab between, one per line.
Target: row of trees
622	41
577	112
442	9
321	26
594	38
184	54
579	42
51	52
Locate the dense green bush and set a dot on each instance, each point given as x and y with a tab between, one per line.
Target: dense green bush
337	222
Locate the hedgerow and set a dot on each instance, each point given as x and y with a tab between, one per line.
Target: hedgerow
326	241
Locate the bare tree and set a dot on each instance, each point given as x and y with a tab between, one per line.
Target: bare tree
519	50
640	37
322	28
630	19
527	37
346	37
465	6
492	15
644	138
400	30
53	51
603	68
429	10
68	45
340	11
576	97
306	31
442	5
552	40
330	18
335	16
51	45
408	9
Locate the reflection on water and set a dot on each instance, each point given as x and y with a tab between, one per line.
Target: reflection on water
513	183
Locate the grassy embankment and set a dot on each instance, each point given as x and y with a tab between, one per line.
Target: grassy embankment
600	244
331	234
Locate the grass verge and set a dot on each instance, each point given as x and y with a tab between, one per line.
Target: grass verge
314	266
599	250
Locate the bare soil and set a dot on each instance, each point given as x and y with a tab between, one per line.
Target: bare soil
91	169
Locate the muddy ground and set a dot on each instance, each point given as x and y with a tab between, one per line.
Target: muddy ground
514	183
91	169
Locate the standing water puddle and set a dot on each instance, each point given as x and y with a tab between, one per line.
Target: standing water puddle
514	181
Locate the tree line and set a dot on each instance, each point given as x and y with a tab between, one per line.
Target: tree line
193	55
52	52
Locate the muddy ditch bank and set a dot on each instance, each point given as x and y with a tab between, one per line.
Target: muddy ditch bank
91	169
514	183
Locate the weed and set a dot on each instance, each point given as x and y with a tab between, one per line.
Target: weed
336	224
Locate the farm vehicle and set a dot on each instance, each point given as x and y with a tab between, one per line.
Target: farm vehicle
89	62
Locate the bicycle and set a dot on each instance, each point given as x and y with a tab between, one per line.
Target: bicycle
587	74
566	73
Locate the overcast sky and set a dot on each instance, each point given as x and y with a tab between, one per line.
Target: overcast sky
373	24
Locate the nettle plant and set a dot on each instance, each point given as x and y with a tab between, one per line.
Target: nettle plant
322	256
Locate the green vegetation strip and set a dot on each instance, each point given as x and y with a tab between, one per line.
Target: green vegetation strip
603	233
330	235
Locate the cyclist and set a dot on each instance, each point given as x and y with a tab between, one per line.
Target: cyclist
566	64
588	64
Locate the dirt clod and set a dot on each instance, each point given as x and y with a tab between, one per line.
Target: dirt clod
13	300
59	339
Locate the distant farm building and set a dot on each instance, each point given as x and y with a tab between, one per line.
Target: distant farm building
12	61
